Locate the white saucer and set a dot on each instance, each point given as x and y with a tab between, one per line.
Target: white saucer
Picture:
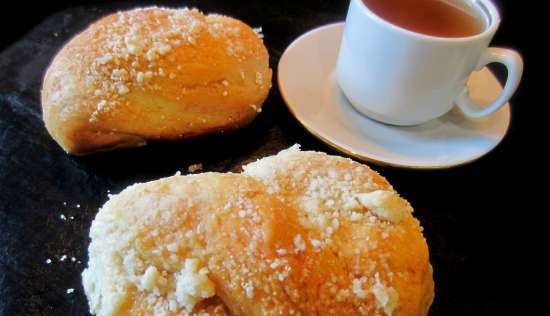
307	84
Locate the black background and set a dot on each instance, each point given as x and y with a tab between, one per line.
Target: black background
484	222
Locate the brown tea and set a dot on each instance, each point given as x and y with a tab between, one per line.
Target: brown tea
431	17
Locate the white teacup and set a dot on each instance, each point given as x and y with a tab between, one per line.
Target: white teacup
401	77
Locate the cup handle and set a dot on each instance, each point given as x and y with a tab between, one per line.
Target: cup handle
514	65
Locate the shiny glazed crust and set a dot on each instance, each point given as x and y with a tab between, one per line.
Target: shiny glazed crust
154	73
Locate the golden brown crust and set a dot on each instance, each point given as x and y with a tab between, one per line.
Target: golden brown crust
300	233
154	73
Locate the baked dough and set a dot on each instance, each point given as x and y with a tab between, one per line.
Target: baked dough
300	233
154	73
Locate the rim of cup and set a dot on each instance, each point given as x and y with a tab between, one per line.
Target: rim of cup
488	10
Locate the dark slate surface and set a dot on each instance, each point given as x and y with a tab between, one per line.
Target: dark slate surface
473	215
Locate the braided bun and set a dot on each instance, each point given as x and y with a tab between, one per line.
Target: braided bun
300	233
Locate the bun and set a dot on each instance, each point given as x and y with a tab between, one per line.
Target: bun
154	73
300	233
